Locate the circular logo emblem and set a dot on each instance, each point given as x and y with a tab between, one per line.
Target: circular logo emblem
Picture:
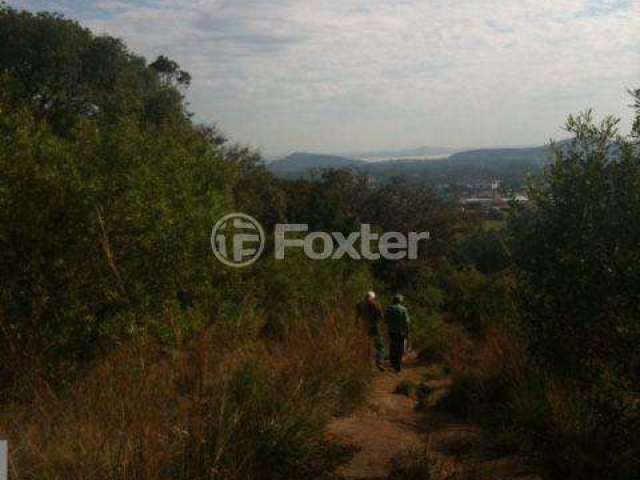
237	240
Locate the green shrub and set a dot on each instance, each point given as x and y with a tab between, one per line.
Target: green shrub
413	466
406	388
464	394
479	301
576	250
431	338
484	250
591	432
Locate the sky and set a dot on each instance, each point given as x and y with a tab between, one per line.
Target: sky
350	75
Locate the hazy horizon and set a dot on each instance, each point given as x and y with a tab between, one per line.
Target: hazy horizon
347	76
562	136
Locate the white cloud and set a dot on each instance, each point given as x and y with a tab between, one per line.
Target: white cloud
343	75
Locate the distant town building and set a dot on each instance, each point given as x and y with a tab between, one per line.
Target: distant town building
491	203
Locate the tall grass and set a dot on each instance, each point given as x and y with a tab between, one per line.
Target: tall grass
225	406
564	427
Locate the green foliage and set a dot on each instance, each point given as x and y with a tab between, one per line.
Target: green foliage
463	396
429	336
577	251
66	74
479	301
485	250
335	199
107	196
341	200
403	207
572	429
94	226
565	397
296	288
413	465
108	192
635	129
406	388
286	438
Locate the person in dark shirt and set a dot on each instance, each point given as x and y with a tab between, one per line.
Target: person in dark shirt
371	313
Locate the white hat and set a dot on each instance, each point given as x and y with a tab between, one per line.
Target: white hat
371	295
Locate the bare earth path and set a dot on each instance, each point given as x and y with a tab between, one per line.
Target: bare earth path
388	426
381	430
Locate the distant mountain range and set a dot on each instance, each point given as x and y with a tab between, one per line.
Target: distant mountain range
301	163
490	156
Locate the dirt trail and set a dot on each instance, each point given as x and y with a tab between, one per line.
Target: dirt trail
388	427
381	430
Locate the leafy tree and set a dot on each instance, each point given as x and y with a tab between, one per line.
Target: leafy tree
67	74
102	228
577	251
332	200
107	195
404	207
342	200
484	250
170	72
635	129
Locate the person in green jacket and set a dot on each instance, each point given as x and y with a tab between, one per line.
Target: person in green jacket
398	323
371	313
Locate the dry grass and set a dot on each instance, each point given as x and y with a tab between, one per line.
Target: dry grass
428	464
226	406
565	428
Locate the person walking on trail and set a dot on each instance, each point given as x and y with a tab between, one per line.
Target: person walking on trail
398	323
371	313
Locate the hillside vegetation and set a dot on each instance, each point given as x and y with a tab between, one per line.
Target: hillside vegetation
128	352
141	354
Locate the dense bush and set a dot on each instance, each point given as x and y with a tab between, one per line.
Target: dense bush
558	381
100	226
479	301
484	250
577	254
